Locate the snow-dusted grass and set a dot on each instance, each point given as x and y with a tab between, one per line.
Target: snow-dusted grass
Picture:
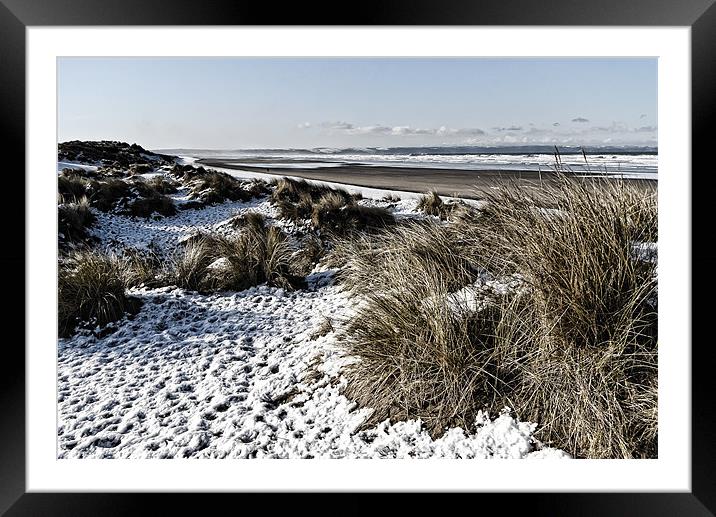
572	344
331	211
257	254
73	219
91	288
432	204
418	357
332	214
584	335
217	187
252	373
135	196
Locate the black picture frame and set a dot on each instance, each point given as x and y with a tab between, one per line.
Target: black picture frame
17	15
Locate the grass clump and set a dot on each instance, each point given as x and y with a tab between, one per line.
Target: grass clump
339	216
185	173
334	211
109	194
248	219
574	348
257	188
212	187
73	219
422	246
432	204
154	204
294	199
140	168
162	185
91	291
189	268
142	268
298	190
312	250
71	185
258	254
417	358
135	197
585	334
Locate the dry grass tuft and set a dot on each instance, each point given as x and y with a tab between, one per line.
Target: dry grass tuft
148	206
135	197
162	185
297	190
312	250
208	187
334	211
249	219
71	185
586	332
295	199
91	290
432	204
73	219
259	254
142	268
574	349
109	194
217	187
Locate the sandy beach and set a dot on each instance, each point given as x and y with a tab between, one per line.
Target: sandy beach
468	184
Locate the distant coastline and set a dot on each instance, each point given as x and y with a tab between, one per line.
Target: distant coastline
423	150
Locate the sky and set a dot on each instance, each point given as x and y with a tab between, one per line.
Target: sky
251	103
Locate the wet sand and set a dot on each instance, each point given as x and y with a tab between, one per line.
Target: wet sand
469	184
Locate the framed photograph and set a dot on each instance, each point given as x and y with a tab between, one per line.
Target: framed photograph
435	250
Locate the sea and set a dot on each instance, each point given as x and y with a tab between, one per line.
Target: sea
626	161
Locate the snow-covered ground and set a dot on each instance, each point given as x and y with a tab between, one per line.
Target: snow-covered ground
76	165
117	231
248	374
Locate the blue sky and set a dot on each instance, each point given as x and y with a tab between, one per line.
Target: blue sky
233	103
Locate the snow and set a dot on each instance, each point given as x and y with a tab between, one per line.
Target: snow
186	160
238	374
75	165
163	234
645	251
234	375
472	298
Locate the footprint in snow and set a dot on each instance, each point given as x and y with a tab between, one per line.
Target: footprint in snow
108	442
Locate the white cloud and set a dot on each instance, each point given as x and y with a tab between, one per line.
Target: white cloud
549	133
352	129
344	126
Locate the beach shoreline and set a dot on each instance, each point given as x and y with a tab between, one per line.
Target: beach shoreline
458	183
